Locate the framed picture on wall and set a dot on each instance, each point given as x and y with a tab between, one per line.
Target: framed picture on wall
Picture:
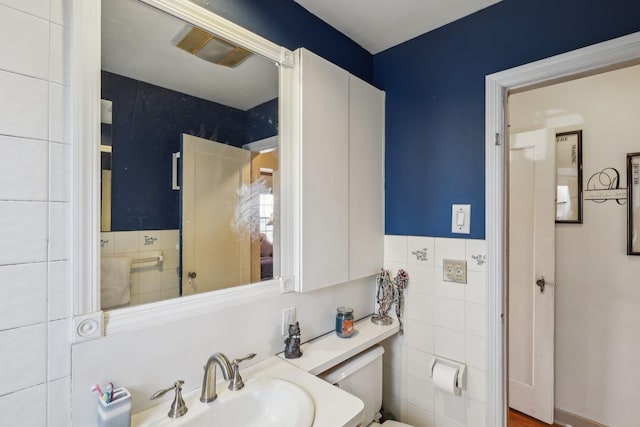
633	202
569	177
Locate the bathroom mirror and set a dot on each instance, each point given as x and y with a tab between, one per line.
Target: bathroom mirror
244	109
191	202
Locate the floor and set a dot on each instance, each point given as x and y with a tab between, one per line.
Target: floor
518	419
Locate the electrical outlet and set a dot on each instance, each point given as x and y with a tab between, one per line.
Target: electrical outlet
288	318
455	271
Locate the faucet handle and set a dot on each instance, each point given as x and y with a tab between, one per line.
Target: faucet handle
178	407
236	382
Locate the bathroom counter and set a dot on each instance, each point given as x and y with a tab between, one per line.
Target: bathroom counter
329	350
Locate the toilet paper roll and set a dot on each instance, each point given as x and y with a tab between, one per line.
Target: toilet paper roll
444	377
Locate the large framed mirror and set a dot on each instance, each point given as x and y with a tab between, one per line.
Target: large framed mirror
190	165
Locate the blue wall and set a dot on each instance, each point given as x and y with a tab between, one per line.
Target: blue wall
147	123
288	24
435	99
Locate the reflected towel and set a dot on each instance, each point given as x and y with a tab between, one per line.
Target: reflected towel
115	282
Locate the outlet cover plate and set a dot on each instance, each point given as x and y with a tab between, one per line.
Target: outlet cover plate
454	270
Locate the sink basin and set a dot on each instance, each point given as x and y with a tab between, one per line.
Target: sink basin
263	402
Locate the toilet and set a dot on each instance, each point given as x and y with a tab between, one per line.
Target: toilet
361	376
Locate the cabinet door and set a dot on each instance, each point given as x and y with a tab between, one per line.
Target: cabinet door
366	179
325	172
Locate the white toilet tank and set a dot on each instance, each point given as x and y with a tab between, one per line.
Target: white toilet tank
361	376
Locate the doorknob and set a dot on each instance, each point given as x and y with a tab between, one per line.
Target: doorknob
192	274
541	283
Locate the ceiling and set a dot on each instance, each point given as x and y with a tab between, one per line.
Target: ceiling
136	43
377	25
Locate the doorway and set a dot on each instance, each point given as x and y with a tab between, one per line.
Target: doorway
587	60
589	122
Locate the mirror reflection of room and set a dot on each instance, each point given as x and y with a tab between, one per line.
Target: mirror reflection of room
189	159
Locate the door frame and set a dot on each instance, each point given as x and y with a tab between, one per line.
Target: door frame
584	61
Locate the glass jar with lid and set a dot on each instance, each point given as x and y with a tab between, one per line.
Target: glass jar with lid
344	322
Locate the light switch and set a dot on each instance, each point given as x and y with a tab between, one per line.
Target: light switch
461	219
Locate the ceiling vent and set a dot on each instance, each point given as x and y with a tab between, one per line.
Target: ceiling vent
209	47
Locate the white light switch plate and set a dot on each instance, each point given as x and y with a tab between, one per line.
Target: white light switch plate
461	219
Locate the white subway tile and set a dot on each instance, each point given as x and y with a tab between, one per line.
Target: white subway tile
60	287
23	295
170	239
394	356
419	335
420	393
38	8
59	231
395	248
56	50
476	384
23	169
446	289
25	44
106	243
449	344
59	402
59	354
57	11
419	306
150	240
475	320
25	105
23	227
56	113
125	241
475	414
476	251
475	290
395	406
449	314
475	352
446	248
421	278
23	359
418	417
25	408
450	407
171	259
420	250
419	363
394	382
60	172
444	422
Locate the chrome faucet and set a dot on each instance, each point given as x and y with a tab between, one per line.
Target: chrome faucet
230	372
208	393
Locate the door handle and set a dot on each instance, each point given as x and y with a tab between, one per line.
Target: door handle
191	275
541	283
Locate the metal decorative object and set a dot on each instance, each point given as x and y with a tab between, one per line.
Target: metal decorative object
292	342
390	292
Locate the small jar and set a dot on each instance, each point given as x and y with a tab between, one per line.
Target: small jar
344	322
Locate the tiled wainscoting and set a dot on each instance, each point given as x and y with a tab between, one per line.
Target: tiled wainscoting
148	283
35	224
441	318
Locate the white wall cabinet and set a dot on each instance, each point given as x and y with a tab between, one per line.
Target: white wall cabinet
341	174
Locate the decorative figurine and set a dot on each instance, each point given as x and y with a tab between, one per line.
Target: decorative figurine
292	342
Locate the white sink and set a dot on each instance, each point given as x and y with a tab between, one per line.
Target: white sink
263	402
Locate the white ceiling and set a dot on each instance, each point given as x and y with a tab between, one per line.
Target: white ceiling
377	25
136	43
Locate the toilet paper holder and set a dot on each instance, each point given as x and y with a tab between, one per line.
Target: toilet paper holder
461	376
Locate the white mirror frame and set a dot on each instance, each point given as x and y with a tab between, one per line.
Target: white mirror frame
89	321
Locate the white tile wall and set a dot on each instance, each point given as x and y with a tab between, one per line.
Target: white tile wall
441	318
35	182
148	284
